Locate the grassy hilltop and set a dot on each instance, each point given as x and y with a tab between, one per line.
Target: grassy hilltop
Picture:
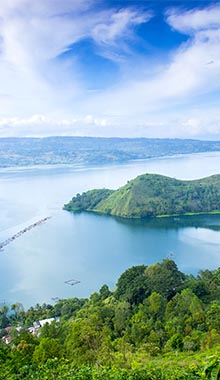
152	195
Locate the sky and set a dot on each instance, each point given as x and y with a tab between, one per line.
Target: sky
110	68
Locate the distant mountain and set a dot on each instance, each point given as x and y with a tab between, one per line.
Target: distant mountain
152	195
93	150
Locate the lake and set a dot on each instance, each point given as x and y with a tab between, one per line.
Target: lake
91	248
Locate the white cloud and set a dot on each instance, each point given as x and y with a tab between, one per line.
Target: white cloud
42	125
157	100
195	124
39	31
33	36
112	35
119	24
193	21
190	76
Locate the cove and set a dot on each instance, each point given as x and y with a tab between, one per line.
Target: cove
91	248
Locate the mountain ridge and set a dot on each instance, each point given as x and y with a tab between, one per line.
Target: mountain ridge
152	195
25	151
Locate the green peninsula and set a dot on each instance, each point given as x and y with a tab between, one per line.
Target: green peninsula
152	195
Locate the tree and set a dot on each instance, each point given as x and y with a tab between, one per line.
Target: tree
122	316
18	314
104	292
184	313
131	285
48	348
164	278
176	342
156	306
67	308
23	347
84	339
213	317
4	317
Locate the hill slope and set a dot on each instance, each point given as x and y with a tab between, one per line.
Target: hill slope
152	195
93	150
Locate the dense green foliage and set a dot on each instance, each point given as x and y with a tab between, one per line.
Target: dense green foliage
158	324
88	200
152	195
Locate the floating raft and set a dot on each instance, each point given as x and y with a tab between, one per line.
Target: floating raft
72	282
18	234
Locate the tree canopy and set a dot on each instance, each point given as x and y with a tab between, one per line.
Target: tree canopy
158	323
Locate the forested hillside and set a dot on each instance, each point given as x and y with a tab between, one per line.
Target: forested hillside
94	150
158	324
152	195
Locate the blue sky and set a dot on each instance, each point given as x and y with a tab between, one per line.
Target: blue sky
110	68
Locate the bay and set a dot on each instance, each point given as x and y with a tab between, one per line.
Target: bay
91	248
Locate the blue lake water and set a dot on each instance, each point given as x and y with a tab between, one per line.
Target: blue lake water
91	248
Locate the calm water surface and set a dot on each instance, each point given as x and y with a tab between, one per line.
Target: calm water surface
90	248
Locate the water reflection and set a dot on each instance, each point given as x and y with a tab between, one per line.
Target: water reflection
208	221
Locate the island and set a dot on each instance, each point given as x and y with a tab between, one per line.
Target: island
152	195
